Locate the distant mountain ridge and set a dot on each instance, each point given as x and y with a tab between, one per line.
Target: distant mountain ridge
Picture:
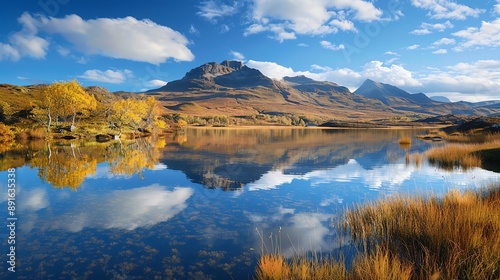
304	83
391	95
442	99
233	88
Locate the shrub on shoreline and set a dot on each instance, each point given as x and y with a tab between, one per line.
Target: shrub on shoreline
6	135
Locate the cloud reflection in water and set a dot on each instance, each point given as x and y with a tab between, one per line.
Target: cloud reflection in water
119	209
292	233
390	176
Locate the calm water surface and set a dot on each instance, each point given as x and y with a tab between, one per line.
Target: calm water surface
203	204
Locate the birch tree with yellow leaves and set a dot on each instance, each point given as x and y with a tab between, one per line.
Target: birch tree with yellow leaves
136	113
65	100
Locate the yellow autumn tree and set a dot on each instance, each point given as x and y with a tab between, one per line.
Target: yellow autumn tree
128	112
154	111
66	100
140	112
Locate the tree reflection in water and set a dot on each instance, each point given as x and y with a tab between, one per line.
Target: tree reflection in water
68	164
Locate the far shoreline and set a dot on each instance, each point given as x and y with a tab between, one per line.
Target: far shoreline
236	127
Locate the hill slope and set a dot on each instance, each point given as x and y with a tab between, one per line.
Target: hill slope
232	88
399	99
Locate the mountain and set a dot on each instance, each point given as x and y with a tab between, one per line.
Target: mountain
399	99
305	84
232	88
210	76
442	99
391	95
489	104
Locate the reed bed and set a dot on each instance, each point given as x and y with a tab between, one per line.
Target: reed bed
433	134
275	267
457	137
460	155
454	237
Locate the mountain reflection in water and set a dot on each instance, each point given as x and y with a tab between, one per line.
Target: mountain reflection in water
204	203
230	159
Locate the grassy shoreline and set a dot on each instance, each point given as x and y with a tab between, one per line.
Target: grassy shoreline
422	237
465	151
453	237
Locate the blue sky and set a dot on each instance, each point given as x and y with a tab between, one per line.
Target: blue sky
439	47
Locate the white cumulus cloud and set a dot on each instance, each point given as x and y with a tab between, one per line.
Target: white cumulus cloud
155	83
476	81
108	76
237	55
394	74
488	35
125	38
428	28
286	18
444	41
212	10
271	69
376	70
24	42
330	46
440	51
413	47
441	9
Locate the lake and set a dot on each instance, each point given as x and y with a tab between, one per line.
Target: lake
202	204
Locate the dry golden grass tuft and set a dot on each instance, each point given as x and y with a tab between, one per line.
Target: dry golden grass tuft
405	140
457	236
453	237
460	155
272	267
380	265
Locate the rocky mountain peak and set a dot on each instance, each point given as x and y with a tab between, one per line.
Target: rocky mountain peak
208	71
236	65
301	79
212	75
